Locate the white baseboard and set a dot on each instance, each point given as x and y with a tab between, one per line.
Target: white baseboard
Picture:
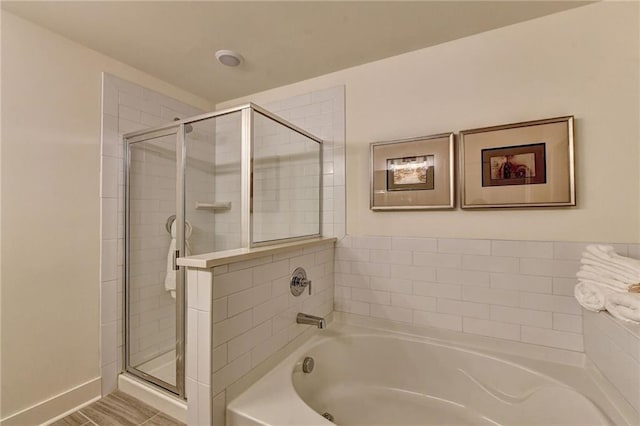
56	407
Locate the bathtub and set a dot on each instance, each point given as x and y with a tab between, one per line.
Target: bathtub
373	376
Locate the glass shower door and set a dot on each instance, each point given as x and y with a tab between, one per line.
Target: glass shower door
154	292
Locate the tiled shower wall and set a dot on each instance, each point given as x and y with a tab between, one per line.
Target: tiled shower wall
286	176
126	107
515	290
322	113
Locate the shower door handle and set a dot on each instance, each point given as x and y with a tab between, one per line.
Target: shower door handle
176	255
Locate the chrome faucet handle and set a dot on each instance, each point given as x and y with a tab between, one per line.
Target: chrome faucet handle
299	282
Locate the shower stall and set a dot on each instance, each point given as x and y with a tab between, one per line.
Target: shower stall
231	179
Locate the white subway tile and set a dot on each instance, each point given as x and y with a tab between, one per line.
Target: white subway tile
465	309
491	263
109	218
129	113
553	338
544	302
414	244
232	327
269	309
108	343
271	271
219	309
219	407
204	291
247	341
108	264
438	260
267	348
247	299
490	296
231	373
352	254
398	257
342	292
602	323
565	322
380	243
192	288
358	308
568	250
522	316
491	328
371	296
414	302
457	276
191	356
370	269
564	286
463	246
352	280
232	282
449	291
108	302
432	319
342	266
421	273
549	268
392	313
535	249
395	285
191	389
219	357
324	256
204	348
528	283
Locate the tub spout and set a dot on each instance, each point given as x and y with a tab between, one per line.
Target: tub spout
311	320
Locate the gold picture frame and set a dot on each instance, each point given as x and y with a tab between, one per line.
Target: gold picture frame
528	164
413	174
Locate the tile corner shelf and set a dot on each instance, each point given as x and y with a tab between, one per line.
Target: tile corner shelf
223	205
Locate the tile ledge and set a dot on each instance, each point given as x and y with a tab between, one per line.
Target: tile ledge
210	260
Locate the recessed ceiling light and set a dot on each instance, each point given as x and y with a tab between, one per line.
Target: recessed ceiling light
228	58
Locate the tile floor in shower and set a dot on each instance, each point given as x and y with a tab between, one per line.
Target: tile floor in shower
117	409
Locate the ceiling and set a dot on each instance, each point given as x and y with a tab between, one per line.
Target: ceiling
282	42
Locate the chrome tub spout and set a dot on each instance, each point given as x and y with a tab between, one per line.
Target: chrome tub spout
311	320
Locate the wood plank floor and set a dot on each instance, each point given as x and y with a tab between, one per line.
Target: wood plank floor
117	409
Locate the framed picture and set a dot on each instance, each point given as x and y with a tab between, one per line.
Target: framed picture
528	164
413	174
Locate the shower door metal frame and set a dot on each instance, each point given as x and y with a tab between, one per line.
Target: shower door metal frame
130	139
177	128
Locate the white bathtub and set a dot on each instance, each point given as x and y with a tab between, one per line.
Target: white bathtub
366	376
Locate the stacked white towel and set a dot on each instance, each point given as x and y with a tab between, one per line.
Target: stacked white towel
605	280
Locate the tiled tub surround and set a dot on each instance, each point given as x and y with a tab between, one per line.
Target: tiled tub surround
514	290
241	313
614	347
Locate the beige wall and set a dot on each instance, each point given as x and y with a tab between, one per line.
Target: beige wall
50	210
582	62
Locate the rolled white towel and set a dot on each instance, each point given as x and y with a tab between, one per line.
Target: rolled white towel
624	306
609	255
595	279
609	271
591	296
